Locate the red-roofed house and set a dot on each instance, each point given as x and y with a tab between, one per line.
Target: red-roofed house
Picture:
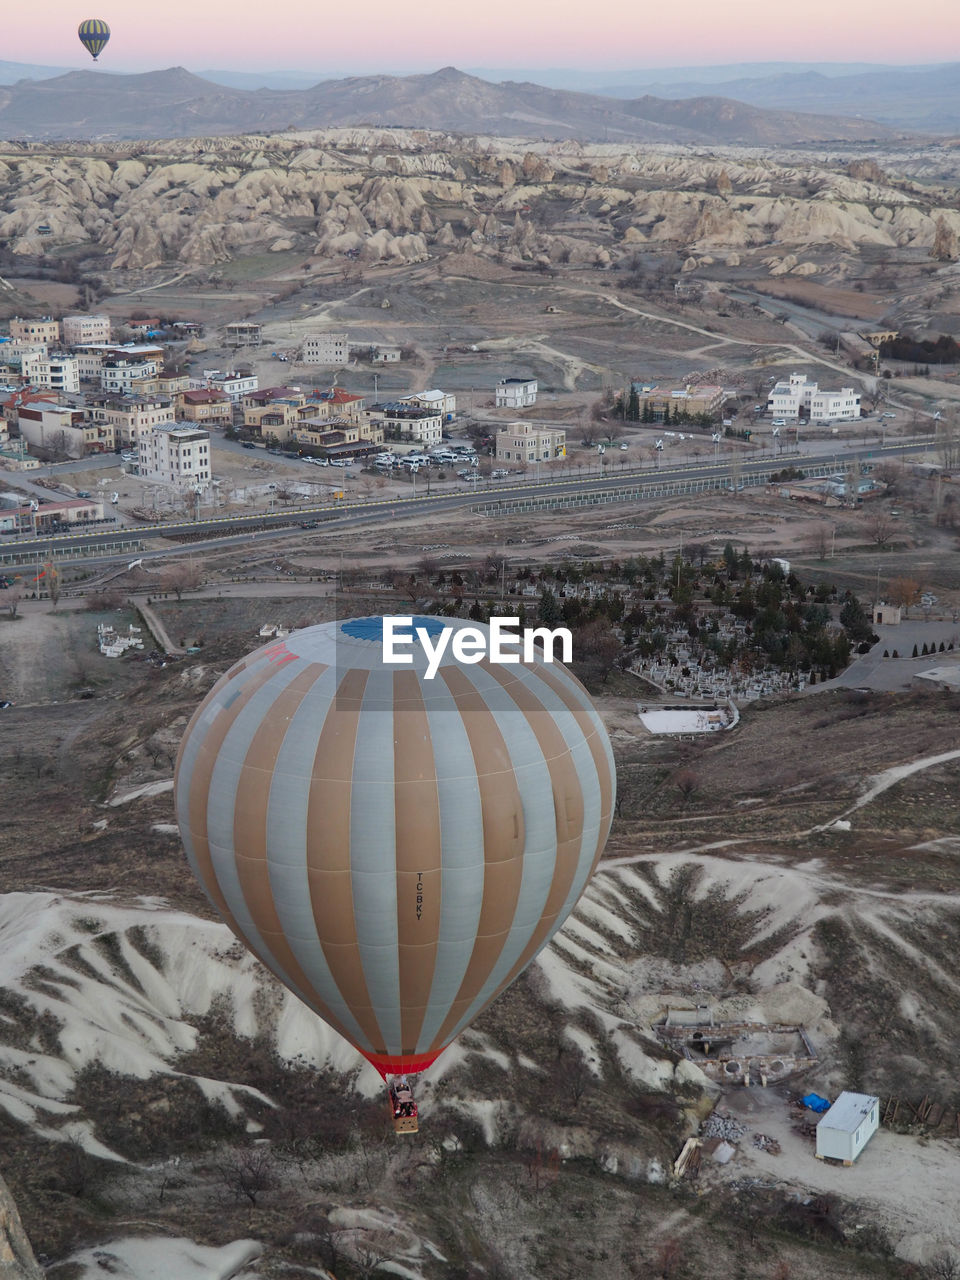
210	407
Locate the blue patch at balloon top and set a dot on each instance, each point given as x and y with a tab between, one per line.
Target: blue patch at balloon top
372	628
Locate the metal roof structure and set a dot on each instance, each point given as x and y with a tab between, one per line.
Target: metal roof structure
849	1112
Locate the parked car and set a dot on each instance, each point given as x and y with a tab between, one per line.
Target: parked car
499	474
247	445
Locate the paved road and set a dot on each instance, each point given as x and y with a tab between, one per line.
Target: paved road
888	675
387	510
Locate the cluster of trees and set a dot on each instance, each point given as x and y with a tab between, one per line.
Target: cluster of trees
943	350
636	605
631	408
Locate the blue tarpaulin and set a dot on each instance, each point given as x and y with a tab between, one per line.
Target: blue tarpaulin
813	1102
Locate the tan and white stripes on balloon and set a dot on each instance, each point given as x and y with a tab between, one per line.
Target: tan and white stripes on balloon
396	850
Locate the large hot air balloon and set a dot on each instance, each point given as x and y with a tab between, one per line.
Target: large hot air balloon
94	34
396	848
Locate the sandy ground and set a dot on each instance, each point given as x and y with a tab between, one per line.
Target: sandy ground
908	1184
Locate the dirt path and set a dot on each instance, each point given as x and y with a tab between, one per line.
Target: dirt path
908	1183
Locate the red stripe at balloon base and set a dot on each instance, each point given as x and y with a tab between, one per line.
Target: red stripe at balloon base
410	1064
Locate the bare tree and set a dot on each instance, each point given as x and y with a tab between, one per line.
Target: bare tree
687	783
53	582
880	526
248	1174
13	597
180	577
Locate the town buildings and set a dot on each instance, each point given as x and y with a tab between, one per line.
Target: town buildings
51	429
516	393
441	402
799	397
176	456
330	349
55	372
400	421
45	330
243	333
529	442
232	383
202	405
671	404
80	329
123	421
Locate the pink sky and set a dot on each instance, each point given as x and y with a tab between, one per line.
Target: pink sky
386	36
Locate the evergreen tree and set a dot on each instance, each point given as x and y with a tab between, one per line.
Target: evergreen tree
548	611
633	406
855	620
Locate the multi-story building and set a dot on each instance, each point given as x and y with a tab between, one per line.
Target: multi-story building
516	393
339	437
316	430
274	411
78	329
46	330
401	422
121	421
129	376
337	401
212	407
230	383
13	355
93	355
439	401
50	428
172	385
528	442
177	456
799	397
243	333
662	404
57	372
330	349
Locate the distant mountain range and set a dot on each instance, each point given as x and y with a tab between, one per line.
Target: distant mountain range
176	103
925	99
918	98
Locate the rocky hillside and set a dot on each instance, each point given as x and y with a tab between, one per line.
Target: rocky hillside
85	104
403	196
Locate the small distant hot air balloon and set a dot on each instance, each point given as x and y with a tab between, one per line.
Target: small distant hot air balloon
395	848
94	34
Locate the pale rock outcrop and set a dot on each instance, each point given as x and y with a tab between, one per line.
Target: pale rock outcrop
17	1261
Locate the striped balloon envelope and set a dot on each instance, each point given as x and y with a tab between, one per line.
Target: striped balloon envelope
396	848
94	34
